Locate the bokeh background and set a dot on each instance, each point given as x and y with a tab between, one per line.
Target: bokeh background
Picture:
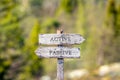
98	21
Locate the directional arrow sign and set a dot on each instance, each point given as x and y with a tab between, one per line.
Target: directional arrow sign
58	52
55	39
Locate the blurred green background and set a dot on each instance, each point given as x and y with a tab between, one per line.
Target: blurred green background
98	21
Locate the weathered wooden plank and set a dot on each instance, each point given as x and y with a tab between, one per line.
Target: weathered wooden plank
60	63
56	39
60	69
58	52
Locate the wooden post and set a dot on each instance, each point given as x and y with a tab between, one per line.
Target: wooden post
60	63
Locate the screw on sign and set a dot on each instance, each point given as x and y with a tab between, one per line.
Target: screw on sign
60	39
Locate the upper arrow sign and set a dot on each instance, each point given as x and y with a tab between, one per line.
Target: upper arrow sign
56	39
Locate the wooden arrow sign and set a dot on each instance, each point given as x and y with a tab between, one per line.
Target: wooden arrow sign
56	39
58	52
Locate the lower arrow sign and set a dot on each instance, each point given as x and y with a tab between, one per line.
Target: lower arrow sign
58	52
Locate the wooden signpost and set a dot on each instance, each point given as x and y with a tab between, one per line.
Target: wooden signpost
59	52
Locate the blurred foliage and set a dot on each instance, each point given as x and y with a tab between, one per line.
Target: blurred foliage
11	39
30	59
113	22
36	6
69	5
22	20
50	25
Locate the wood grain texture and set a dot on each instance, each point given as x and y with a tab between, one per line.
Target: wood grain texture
56	39
60	62
58	52
60	69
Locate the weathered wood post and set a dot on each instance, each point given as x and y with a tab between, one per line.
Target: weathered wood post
60	63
